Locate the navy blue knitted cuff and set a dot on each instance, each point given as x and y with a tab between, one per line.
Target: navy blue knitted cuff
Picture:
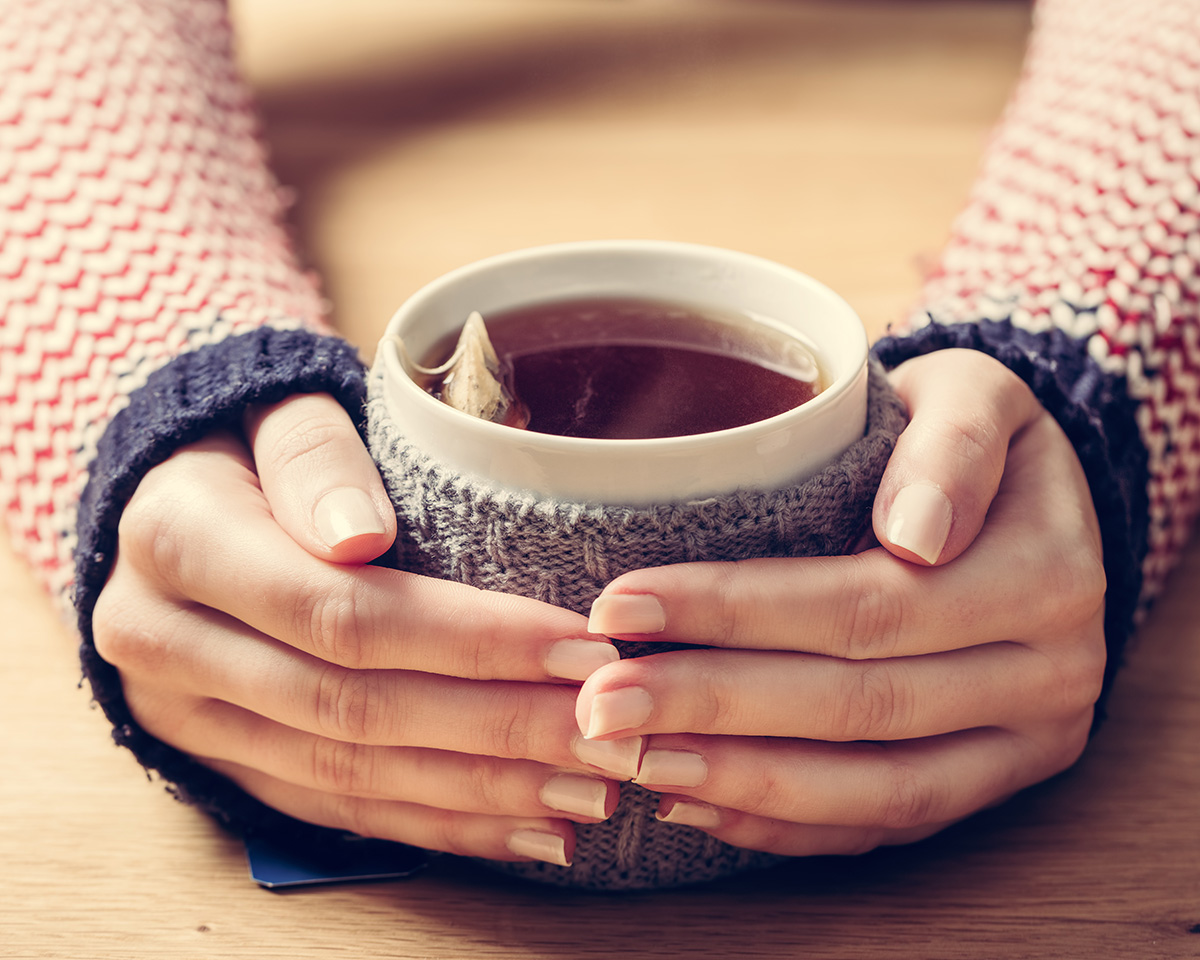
1099	418
193	395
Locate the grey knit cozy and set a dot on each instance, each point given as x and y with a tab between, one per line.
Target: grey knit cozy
457	528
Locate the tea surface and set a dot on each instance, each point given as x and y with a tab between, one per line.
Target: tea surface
624	369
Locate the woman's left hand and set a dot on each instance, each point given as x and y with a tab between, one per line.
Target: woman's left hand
850	702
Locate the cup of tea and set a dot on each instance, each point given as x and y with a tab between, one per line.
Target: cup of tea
678	403
537	303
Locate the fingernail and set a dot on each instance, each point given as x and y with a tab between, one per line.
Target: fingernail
579	659
584	796
620	613
672	768
919	520
692	814
616	710
345	513
537	845
618	757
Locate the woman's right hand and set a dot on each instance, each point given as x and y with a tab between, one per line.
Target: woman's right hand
249	633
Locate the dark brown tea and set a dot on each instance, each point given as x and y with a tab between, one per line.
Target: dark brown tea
625	369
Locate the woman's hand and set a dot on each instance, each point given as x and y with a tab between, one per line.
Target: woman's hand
250	634
856	701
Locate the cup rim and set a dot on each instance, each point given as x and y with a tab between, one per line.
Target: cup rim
398	377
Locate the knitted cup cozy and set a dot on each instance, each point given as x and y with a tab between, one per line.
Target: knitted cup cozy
457	528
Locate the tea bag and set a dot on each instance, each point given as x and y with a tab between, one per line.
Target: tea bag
472	380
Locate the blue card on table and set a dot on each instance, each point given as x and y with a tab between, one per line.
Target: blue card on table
345	860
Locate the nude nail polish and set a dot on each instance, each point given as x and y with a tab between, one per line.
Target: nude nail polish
692	813
919	520
570	793
673	768
579	659
538	845
624	613
619	758
616	710
344	513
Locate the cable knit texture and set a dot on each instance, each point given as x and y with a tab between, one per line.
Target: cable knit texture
564	553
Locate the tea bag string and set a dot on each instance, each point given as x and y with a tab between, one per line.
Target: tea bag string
412	366
472	378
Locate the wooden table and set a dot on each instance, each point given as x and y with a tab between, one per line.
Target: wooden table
837	137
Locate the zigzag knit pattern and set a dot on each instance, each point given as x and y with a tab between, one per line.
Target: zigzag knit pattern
138	221
1085	219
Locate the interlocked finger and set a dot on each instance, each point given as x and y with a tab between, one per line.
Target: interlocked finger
218	732
194	550
432	828
896	787
766	693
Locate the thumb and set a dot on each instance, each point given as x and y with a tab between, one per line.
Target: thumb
964	409
319	479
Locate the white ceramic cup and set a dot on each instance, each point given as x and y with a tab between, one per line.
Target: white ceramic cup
766	455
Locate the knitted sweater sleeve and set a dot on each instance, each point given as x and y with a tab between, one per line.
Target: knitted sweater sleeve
148	290
1076	262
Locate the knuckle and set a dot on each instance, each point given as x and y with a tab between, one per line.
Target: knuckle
110	635
486	786
125	634
728	599
343	768
760	833
122	647
1092	664
715	707
444	830
347	708
869	620
153	531
768	794
1068	744
329	620
355	815
474	640
908	800
1075	678
713	704
1082	676
870	704
1073	636
760	793
1079	587
167	523
972	436
510	734
306	442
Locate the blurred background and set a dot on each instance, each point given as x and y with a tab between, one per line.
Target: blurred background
838	137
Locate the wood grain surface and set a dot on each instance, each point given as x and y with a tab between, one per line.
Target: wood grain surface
838	137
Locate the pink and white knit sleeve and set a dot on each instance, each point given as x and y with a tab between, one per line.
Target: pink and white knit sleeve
138	221
1077	261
